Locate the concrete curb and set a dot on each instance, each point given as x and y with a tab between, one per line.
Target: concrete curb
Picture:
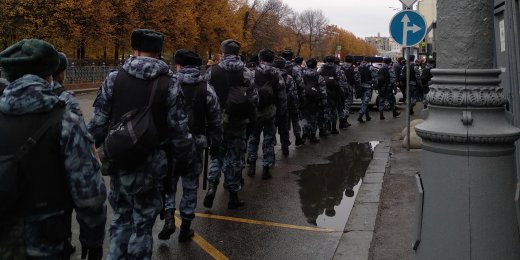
359	231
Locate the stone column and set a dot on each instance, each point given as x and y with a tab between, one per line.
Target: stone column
468	144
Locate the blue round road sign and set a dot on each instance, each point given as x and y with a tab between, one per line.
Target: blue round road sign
408	28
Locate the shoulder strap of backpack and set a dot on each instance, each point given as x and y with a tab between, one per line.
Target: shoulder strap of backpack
152	95
54	117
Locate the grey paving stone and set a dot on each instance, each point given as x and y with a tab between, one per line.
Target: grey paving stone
369	192
354	245
373	177
362	217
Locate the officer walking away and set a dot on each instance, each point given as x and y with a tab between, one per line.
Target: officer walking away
272	101
336	89
315	100
386	82
58	88
205	120
397	68
136	185
293	68
293	107
238	99
415	81
426	77
348	70
50	147
364	79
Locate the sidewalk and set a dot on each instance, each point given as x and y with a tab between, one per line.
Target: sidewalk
381	224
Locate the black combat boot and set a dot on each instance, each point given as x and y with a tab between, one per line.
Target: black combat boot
234	201
360	118
381	115
186	232
210	196
367	116
299	140
169	225
251	170
395	113
324	132
285	150
266	174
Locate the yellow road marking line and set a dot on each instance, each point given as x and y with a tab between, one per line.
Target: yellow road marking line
264	223
205	245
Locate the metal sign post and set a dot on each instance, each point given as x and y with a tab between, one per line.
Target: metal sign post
408	28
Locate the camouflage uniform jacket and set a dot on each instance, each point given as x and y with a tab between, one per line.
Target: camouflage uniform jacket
413	69
342	79
68	97
373	72
191	75
180	138
281	99
233	63
32	94
293	99
307	72
296	73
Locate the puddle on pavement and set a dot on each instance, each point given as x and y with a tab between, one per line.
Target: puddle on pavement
328	191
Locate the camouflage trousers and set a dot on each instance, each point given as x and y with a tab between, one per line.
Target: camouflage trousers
230	161
294	122
336	110
310	122
324	118
269	133
347	102
365	99
190	185
283	123
134	217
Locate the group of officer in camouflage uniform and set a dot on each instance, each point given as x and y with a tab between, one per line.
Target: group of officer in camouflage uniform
224	111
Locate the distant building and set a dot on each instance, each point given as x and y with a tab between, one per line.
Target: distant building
380	43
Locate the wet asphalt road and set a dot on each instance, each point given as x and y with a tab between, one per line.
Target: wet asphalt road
299	214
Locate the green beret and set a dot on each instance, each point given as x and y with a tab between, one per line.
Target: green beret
29	56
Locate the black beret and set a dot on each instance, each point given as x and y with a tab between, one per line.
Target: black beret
312	63
349	59
185	57
328	59
287	55
64	62
230	46
266	55
279	63
147	40
31	56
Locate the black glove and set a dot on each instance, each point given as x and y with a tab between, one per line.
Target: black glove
95	253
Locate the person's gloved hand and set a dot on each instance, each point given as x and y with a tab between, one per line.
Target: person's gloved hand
95	253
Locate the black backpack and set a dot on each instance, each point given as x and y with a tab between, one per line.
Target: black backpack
134	136
312	90
366	75
350	75
195	96
331	79
383	78
13	192
267	85
231	92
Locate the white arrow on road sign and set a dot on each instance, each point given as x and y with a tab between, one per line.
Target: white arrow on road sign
414	28
408	3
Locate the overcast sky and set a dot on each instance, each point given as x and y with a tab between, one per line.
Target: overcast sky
361	17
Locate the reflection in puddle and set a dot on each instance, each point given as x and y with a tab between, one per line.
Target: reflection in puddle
327	191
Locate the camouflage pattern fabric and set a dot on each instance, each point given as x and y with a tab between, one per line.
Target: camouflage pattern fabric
32	94
136	194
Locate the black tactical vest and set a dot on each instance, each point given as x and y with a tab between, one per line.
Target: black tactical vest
130	93
44	182
222	79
